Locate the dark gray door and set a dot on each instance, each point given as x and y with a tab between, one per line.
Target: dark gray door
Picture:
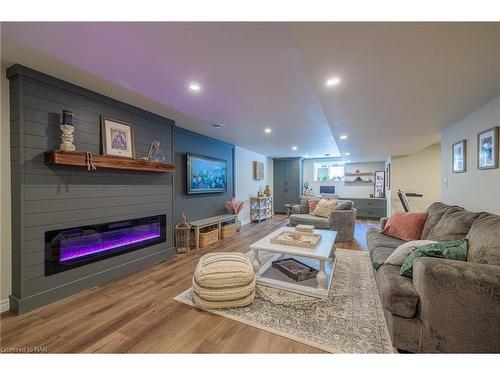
279	185
292	194
293	178
287	182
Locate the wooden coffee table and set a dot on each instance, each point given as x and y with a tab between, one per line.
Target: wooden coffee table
322	257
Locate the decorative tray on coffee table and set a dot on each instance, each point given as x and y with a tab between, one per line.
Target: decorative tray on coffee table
294	269
295	238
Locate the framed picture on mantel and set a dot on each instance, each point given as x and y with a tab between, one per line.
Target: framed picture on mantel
117	137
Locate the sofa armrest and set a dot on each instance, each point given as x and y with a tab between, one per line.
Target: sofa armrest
300	209
343	221
459	305
383	222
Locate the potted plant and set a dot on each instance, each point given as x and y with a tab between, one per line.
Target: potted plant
235	208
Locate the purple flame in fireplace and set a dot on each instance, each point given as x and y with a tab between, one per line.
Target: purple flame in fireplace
92	243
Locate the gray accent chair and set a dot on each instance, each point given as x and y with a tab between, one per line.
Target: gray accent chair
341	220
449	306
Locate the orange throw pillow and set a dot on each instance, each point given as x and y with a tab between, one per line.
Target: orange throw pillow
406	226
312	204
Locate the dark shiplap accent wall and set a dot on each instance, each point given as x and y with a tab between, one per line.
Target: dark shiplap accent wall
199	206
54	197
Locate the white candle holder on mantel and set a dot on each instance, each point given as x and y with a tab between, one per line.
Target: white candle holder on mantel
67	130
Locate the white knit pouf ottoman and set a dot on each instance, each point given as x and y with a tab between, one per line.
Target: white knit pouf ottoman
223	280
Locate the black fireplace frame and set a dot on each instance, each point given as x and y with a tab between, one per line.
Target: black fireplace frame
52	248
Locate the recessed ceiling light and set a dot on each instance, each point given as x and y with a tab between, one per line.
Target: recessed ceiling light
194	87
267	130
333	81
306	156
347	154
217	125
343	136
294	148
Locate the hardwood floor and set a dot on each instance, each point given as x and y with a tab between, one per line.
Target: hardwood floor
138	314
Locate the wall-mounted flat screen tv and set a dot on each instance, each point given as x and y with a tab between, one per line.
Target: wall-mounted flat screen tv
206	174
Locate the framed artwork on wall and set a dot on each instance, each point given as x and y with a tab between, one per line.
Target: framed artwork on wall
258	170
388	176
206	174
487	149
117	137
379	186
459	156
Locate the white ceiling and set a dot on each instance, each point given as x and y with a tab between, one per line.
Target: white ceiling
400	83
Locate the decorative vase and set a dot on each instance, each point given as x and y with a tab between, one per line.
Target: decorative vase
267	191
238	224
67	130
67	138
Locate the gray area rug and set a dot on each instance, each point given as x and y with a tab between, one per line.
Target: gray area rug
350	321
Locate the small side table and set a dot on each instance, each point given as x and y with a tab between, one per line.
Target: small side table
261	208
288	207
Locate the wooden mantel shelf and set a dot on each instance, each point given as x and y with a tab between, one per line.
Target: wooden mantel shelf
78	159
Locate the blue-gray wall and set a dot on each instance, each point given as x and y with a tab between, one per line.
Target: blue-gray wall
48	197
200	206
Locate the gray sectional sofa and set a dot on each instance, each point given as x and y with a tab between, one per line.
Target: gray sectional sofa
341	220
448	306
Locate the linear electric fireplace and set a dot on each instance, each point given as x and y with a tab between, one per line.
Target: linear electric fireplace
74	247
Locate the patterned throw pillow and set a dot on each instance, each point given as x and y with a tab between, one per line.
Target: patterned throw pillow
312	203
324	207
399	255
455	249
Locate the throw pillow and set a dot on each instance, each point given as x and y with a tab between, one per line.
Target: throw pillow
456	250
329	196
312	203
434	213
484	240
453	225
344	205
399	255
324	207
406	226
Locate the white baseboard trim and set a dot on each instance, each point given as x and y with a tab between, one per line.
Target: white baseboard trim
4	305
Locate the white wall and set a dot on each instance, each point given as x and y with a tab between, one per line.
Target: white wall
475	190
5	206
345	191
416	173
246	186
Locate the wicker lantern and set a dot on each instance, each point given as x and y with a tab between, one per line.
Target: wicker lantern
182	234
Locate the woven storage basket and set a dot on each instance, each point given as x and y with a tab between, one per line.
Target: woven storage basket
208	236
228	230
